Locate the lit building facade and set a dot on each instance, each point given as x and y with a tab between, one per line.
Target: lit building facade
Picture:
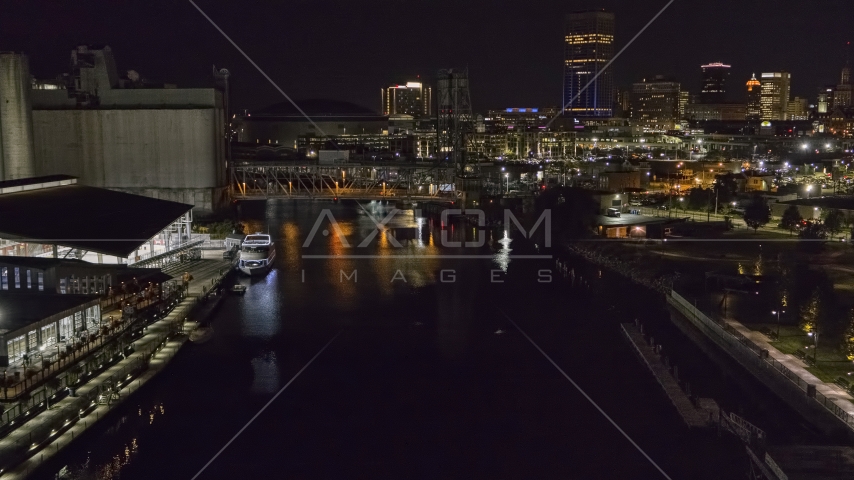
842	92
713	83
754	99
775	90
413	98
655	104
588	47
797	109
519	118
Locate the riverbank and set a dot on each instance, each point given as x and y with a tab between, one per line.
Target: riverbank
824	406
46	434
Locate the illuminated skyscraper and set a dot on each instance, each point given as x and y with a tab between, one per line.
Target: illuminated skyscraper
754	99
713	88
588	47
414	99
655	103
774	101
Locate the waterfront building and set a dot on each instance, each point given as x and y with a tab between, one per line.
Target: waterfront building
588	47
775	91
411	98
754	99
35	327
655	103
713	83
55	216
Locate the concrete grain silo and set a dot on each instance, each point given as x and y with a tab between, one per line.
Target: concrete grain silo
16	124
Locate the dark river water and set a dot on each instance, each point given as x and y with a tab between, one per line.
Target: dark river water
425	379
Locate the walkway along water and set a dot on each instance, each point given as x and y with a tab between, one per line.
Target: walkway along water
45	434
692	415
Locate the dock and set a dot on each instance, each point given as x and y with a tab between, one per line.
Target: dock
692	416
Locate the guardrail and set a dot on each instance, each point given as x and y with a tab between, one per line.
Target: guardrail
748	352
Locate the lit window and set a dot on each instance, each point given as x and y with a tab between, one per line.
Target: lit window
4	278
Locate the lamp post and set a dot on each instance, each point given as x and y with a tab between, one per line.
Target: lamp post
507	178
814	336
778	312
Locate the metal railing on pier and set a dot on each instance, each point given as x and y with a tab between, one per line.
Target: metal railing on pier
756	358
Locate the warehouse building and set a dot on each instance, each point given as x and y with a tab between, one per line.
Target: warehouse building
115	131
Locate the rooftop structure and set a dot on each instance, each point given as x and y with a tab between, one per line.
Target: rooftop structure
59	212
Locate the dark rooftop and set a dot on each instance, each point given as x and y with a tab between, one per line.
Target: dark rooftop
628	219
89	218
17	310
34	180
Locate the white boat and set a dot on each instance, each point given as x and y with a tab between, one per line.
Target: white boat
238	289
257	254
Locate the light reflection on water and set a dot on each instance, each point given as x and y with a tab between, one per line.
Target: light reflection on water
265	371
112	468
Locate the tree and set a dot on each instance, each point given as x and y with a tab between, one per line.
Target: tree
757	213
848	337
791	218
813	231
699	199
833	221
811	312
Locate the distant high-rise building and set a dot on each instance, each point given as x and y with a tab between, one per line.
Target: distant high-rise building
588	47
776	87
413	98
754	99
842	92
714	79
655	103
797	109
825	96
684	100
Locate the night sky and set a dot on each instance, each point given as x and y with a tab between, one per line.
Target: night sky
349	49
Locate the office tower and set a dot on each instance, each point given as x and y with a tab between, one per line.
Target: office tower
754	99
842	92
655	103
797	109
588	47
713	84
774	100
413	98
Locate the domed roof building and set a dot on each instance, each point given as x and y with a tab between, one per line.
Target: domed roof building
283	124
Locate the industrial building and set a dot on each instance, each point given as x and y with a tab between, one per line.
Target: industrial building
16	125
114	131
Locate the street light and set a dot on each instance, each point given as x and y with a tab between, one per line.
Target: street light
778	312
814	336
507	177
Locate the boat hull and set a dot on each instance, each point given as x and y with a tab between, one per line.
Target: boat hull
255	271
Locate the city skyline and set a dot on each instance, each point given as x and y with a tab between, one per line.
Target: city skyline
522	70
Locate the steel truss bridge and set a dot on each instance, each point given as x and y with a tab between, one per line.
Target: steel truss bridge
304	180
